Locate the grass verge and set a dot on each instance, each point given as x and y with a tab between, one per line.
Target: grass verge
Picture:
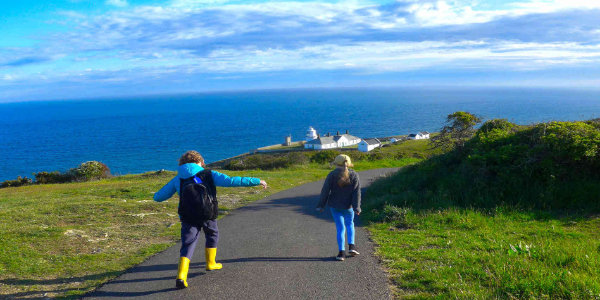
467	254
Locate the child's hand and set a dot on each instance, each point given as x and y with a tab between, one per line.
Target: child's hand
264	184
357	212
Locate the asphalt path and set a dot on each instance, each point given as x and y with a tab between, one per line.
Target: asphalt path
275	248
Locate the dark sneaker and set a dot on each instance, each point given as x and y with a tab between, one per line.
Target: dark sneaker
352	250
341	256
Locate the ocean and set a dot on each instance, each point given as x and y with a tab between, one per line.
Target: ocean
139	134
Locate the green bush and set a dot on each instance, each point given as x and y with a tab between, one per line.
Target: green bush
396	215
495	125
355	155
86	171
52	177
267	161
324	156
89	170
594	122
549	166
16	182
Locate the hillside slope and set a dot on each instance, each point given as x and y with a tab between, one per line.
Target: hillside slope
512	214
548	166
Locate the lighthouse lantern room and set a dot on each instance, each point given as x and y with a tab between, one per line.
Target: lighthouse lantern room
311	134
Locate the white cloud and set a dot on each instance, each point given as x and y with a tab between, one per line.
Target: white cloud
212	36
402	56
190	4
545	6
117	3
72	14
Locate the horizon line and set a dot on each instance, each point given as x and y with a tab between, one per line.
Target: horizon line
126	96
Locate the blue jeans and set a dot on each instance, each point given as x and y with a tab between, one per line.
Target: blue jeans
344	220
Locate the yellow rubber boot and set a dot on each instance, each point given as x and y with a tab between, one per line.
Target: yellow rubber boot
211	255
184	265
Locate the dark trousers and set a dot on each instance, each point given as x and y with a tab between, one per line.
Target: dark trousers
189	237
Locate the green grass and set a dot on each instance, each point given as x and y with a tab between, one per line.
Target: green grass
513	214
467	254
292	146
64	240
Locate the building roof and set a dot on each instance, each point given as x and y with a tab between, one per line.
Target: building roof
412	135
322	140
347	136
372	141
423	132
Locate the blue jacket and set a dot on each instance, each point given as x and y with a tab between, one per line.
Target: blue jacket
191	169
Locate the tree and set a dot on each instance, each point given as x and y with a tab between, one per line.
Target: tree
459	127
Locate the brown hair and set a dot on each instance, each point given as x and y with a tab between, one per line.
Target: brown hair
191	157
344	176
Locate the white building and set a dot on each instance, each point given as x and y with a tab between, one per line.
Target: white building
419	136
331	142
367	145
311	134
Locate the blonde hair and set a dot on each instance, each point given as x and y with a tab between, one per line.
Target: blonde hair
191	157
344	176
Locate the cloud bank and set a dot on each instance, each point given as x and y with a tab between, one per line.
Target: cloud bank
214	39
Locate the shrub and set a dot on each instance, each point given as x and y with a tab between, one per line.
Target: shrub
52	177
460	127
356	155
86	171
570	141
549	166
20	181
594	122
495	124
267	161
324	156
375	155
89	170
396	215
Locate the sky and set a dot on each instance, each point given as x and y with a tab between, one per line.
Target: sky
70	49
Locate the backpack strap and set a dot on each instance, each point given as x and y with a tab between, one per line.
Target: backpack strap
207	179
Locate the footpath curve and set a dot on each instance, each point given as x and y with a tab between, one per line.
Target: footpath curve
274	248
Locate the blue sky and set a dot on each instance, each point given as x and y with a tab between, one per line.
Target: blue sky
66	49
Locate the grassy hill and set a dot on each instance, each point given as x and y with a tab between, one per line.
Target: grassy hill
63	240
512	214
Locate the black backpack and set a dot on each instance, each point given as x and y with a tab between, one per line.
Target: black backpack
198	198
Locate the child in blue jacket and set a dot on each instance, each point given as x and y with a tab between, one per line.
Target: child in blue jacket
190	164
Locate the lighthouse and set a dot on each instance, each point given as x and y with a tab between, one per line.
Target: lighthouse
311	134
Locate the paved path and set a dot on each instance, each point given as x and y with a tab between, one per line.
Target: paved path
274	248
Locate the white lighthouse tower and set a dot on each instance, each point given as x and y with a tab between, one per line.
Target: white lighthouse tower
311	134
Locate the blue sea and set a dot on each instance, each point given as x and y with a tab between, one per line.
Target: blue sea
139	134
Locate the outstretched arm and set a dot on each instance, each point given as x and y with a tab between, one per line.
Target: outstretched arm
227	181
166	191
